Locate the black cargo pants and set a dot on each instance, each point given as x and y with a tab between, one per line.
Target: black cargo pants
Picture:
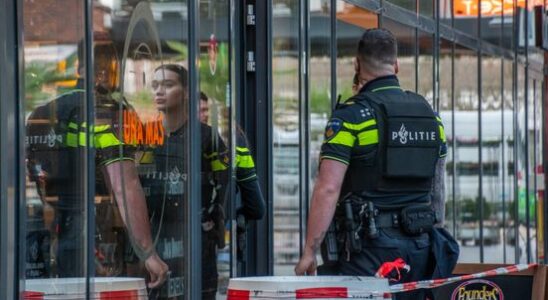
391	244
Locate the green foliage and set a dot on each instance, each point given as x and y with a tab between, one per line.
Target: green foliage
38	77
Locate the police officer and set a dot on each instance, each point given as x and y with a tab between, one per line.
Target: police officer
163	171
382	150
53	165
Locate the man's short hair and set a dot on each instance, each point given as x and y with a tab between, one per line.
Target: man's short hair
377	47
203	96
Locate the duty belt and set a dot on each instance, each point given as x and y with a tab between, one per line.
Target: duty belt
388	219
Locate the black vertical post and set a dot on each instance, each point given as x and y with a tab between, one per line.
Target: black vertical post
11	161
89	161
193	234
526	156
257	116
333	47
515	87
503	143
480	139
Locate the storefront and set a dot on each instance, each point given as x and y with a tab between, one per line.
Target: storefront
81	116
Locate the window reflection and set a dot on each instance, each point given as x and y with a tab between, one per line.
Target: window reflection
425	81
285	95
406	52
466	154
492	161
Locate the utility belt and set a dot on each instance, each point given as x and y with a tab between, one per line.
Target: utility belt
356	219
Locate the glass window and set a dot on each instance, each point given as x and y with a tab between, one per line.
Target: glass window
425	81
407	4
446	114
446	12
532	136
466	154
320	80
508	199
285	117
492	146
426	8
406	52
351	23
539	170
55	172
521	140
215	107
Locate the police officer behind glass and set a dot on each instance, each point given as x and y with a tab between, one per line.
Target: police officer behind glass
383	149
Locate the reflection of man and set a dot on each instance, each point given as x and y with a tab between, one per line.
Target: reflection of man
163	171
56	168
204	108
382	151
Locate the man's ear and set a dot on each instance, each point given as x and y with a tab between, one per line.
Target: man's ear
397	66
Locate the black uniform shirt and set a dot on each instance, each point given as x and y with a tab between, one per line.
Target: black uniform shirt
352	134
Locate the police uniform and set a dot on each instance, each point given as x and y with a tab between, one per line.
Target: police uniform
391	141
163	172
56	150
253	205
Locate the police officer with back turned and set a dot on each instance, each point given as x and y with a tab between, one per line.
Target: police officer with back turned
382	154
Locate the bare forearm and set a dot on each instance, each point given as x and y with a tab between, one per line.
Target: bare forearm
324	202
131	201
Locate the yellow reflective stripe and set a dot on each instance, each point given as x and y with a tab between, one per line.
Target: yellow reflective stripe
82	139
333	158
442	134
217	165
368	137
343	138
244	161
439	119
73	125
101	128
147	158
106	140
361	125
72	139
242	149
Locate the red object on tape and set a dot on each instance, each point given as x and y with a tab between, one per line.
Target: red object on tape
324	292
33	296
120	295
238	294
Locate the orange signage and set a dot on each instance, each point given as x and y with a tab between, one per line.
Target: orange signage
470	8
137	133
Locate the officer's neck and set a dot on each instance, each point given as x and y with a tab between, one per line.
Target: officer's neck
367	76
175	119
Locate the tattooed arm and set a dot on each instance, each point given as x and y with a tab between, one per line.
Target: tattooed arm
324	201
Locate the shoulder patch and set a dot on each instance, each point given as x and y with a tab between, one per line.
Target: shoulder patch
333	127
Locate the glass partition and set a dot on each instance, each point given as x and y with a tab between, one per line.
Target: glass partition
405	36
492	184
285	128
55	110
466	154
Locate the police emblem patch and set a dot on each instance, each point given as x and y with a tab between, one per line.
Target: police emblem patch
333	127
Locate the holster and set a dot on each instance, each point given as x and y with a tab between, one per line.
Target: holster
329	247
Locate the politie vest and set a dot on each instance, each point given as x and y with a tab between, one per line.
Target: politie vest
408	147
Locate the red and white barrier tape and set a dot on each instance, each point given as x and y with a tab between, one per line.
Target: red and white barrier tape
309	293
112	295
429	284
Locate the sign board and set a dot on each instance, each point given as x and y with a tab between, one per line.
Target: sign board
529	284
470	8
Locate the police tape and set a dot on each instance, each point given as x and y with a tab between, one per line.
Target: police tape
430	284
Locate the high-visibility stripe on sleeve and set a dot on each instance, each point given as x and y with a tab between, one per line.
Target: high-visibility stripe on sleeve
344	138
247	178
360	126
442	133
72	139
368	137
105	140
217	165
244	161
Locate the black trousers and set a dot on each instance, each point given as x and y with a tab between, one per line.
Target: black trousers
391	244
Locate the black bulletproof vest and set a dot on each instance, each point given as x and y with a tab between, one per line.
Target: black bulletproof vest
408	147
